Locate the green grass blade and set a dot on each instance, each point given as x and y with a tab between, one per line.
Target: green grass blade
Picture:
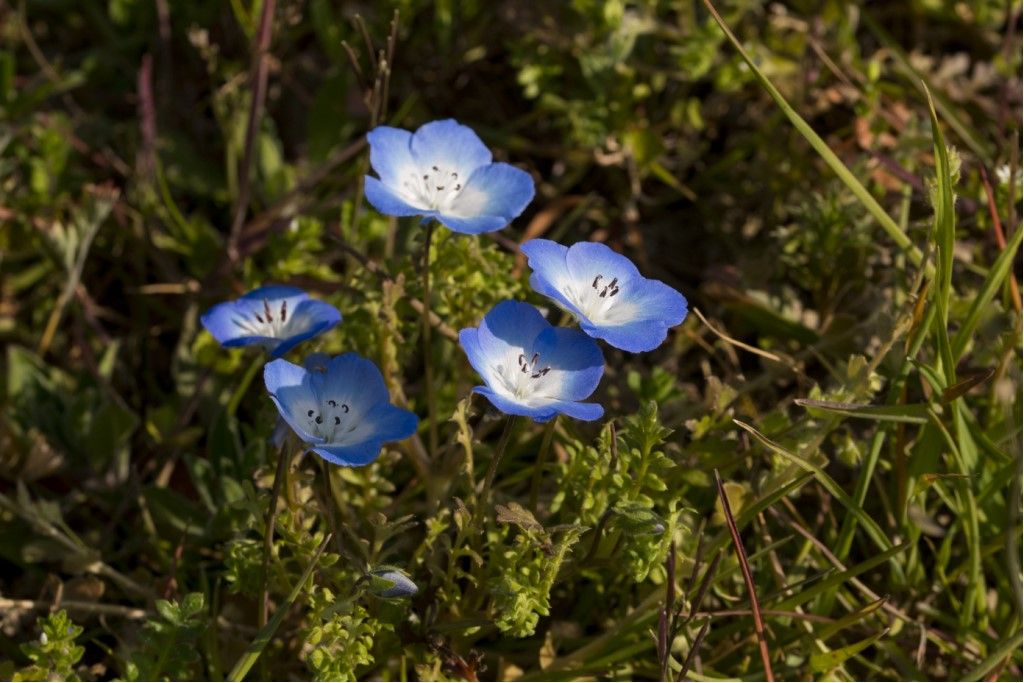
876	533
823	150
913	413
1003	650
823	662
839	578
945	238
255	649
996	276
850	619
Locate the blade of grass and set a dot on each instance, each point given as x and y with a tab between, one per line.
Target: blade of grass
870	525
996	276
945	238
824	662
252	653
823	150
840	578
1004	649
916	413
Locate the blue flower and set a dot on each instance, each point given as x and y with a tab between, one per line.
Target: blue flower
339	406
274	317
606	293
532	368
444	171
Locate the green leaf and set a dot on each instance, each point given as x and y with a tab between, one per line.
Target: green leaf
915	413
823	662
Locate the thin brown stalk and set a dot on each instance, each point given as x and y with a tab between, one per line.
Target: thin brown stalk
694	648
997	228
268	535
748	579
258	73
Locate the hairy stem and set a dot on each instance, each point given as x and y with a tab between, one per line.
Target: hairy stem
428	363
268	536
538	466
499	453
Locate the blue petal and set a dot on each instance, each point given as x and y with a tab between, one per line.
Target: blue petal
353	455
273	292
587	412
391	423
352	380
469	339
388	202
540	413
381	423
475	225
318	316
220	321
636	337
575	360
508	329
494	190
658	301
450	145
550	275
585	260
391	154
290	388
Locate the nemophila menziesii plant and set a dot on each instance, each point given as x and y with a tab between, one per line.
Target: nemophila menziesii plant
339	407
466	427
531	368
275	318
605	292
443	171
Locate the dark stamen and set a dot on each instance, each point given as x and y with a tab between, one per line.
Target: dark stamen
284	310
344	407
440	187
596	280
266	309
332	403
309	413
457	187
319	419
258	317
435	168
337	420
536	357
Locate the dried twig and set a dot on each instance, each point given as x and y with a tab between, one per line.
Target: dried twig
741	555
260	66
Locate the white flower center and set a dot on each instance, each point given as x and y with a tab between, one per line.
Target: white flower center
528	376
274	321
598	299
331	422
434	189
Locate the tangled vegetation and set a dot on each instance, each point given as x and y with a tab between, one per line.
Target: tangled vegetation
817	475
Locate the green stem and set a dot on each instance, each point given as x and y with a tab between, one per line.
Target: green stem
236	398
499	453
428	364
538	467
268	536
